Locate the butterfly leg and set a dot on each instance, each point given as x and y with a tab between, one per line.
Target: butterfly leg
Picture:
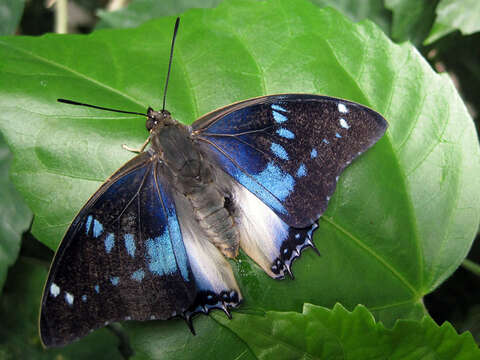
144	145
188	320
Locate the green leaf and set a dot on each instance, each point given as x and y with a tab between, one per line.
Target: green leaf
10	15
345	335
412	19
404	214
140	11
173	340
359	10
452	15
19	307
15	217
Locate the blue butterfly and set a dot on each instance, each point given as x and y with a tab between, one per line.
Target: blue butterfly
152	242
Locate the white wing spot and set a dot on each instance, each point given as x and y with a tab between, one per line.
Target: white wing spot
54	290
344	124
342	108
68	298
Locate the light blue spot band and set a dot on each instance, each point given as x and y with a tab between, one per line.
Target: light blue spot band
279	151
88	224
130	244
287	134
161	255
97	228
279	118
138	275
302	171
277	107
109	242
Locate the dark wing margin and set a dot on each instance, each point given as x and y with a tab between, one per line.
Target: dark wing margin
122	258
289	150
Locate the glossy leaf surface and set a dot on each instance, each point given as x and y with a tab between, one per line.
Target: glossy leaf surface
403	216
463	15
412	19
139	11
348	335
15	217
10	15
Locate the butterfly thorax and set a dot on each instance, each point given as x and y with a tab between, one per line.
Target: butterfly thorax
193	177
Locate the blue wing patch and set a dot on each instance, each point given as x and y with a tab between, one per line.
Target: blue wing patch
122	258
286	152
289	150
266	238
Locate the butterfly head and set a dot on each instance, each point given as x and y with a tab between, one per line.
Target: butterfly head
156	120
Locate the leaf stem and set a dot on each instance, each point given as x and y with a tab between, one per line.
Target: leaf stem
124	342
471	266
61	17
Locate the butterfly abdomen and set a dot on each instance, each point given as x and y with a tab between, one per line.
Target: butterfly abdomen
213	216
194	179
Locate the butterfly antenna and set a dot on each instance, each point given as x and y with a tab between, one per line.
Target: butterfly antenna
175	30
71	102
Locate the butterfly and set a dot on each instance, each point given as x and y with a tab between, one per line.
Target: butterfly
154	239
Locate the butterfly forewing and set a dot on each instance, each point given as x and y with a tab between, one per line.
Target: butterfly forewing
289	149
122	258
138	250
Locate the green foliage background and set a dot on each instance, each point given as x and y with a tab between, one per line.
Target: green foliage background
401	221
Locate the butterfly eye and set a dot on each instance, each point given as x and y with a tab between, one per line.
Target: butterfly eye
166	114
150	124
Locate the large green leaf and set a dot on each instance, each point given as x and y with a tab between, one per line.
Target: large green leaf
15	217
293	335
355	335
139	11
403	216
359	10
10	15
463	15
412	19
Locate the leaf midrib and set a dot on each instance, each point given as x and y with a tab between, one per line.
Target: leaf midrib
74	72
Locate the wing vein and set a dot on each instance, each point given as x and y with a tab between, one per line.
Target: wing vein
239	134
134	196
237	165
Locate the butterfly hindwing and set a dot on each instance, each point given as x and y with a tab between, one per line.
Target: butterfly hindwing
285	154
289	149
136	250
265	237
122	258
215	282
